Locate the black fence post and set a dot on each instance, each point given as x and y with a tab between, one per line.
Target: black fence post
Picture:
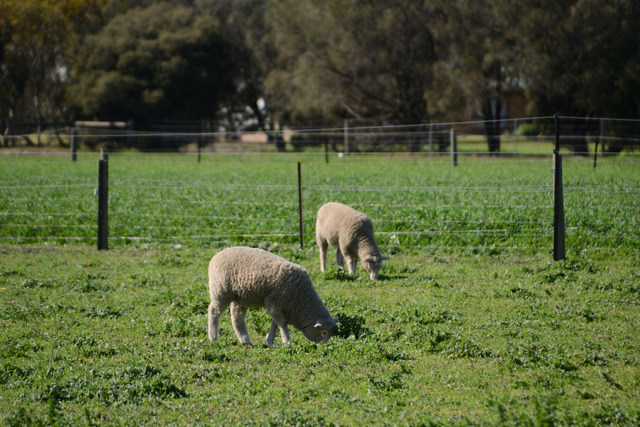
200	139
600	139
454	147
430	139
103	200
558	200
346	137
73	145
326	150
300	206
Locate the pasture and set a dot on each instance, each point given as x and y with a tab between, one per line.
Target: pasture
471	323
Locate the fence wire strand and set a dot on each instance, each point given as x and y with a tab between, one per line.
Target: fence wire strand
152	203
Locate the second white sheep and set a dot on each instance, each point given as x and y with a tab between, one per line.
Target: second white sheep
351	232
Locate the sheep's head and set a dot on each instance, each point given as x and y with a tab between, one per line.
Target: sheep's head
372	265
322	330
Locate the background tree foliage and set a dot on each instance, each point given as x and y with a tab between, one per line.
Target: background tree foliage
359	59
479	59
583	57
258	62
158	62
33	36
243	26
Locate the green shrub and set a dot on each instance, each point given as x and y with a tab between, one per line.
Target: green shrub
527	129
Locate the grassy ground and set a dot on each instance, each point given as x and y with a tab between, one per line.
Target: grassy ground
414	201
471	324
119	337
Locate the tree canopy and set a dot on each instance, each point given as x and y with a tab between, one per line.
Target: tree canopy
263	61
33	36
583	57
352	58
158	62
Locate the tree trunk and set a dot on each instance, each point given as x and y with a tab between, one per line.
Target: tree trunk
579	145
11	129
492	125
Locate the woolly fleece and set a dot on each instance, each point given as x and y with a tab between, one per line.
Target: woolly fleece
242	277
351	232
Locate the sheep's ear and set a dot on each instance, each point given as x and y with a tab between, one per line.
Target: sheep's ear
385	258
318	325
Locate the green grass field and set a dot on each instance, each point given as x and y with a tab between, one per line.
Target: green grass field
415	201
472	323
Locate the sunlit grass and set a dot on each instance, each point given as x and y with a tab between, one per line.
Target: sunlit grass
119	337
471	322
415	202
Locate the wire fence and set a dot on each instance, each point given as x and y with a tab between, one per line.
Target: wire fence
415	203
506	137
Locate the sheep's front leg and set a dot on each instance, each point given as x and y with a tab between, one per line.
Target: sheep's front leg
353	264
339	259
238	314
277	321
271	336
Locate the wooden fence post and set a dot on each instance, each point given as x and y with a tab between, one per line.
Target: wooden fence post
300	206
103	200
454	147
558	200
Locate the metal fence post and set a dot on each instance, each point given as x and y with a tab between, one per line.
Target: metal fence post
200	139
346	137
454	147
73	145
558	200
430	139
300	206
601	140
103	200
515	136
326	150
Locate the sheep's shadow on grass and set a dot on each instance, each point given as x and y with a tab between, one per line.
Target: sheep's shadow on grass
343	276
385	277
351	326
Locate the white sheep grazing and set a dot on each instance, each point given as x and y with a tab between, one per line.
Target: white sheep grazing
351	232
243	277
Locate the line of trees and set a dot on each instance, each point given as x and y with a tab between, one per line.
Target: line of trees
269	62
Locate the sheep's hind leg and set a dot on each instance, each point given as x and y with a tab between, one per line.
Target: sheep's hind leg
323	246
238	314
215	311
